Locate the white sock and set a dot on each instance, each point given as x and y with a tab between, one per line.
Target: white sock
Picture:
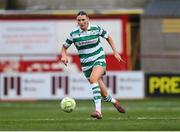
96	96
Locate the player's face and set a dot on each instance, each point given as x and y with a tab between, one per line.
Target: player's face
83	22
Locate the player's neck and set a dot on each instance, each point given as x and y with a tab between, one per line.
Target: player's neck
85	28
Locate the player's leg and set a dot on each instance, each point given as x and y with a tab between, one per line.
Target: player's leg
96	74
107	97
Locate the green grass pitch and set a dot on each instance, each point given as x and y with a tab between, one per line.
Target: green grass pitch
146	115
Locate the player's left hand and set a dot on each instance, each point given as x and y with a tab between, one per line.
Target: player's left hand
118	57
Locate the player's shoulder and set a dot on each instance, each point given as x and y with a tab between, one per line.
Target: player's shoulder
95	26
74	31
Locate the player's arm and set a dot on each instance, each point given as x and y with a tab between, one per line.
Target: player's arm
103	33
64	58
66	45
111	43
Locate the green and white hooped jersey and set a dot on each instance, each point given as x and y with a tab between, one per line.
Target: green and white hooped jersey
88	45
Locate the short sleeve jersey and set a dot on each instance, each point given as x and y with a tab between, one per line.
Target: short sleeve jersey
88	45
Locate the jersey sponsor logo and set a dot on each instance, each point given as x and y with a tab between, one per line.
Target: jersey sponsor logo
82	43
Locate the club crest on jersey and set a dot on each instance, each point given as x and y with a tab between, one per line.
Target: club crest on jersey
94	32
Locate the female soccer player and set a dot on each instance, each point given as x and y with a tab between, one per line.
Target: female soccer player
86	38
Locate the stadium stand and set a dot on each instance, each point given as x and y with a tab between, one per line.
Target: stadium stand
160	37
79	4
2	4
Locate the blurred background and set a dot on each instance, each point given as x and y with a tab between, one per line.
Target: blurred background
146	33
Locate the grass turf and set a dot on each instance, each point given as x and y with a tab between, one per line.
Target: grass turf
147	115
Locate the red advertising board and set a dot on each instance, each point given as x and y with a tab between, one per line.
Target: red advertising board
31	43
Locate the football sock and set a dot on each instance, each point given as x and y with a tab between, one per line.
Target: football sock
108	98
96	96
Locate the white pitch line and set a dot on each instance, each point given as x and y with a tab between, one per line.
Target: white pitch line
46	119
80	119
130	108
108	108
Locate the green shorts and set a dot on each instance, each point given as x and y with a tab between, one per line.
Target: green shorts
88	72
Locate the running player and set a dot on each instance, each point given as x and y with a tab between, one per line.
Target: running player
86	38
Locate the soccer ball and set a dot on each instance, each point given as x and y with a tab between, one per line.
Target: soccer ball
68	104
